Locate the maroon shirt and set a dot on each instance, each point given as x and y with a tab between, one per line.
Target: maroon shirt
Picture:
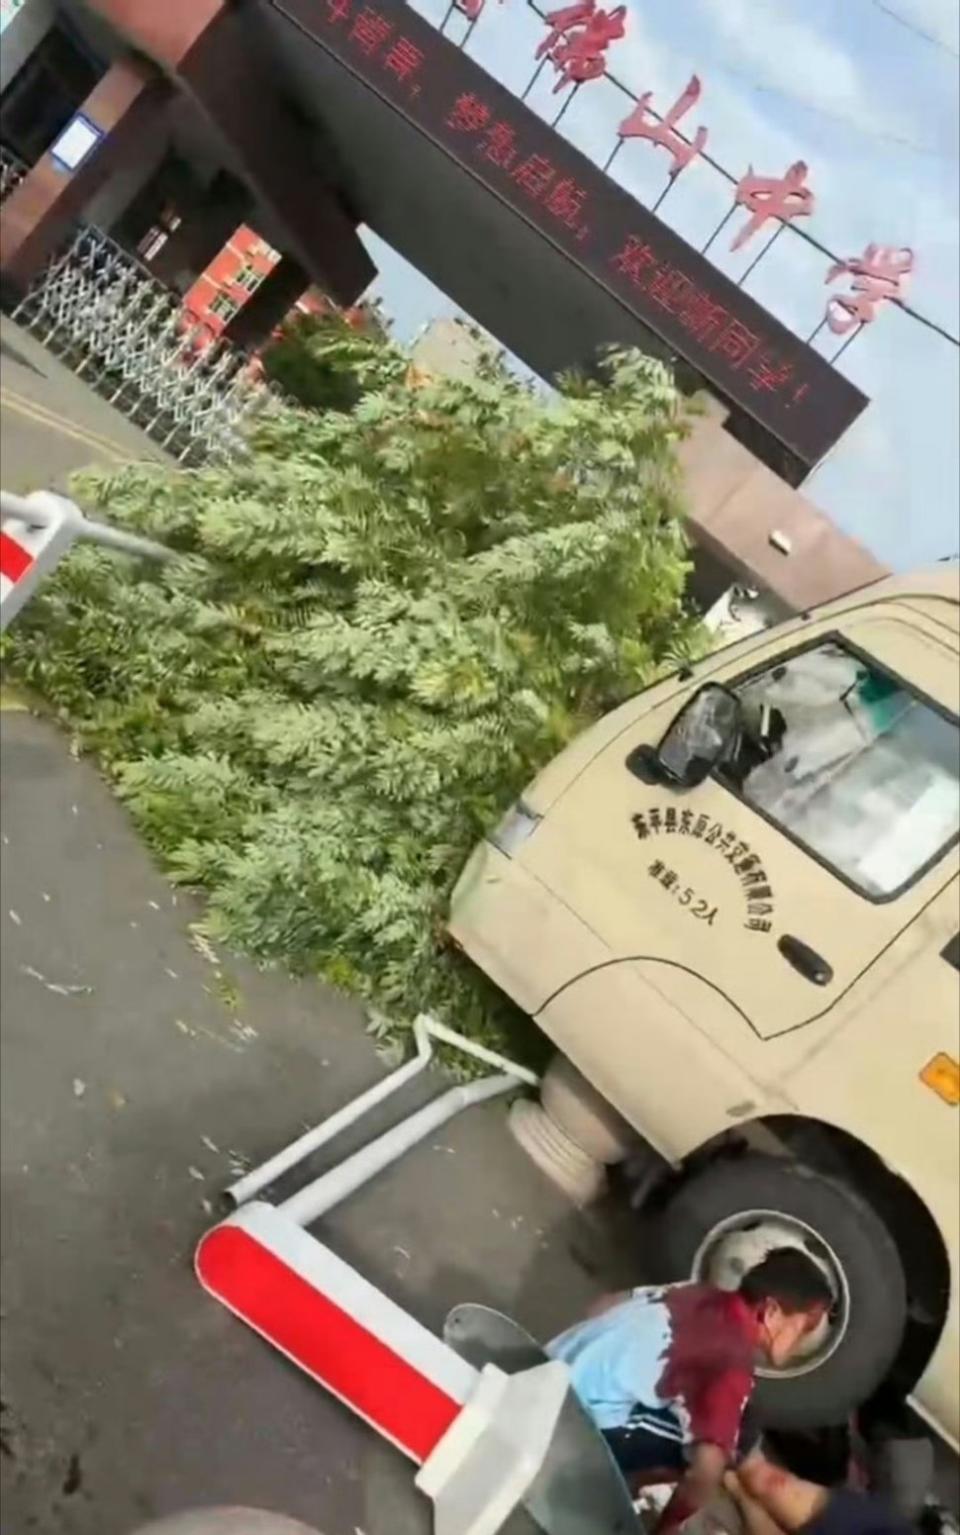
708	1369
676	1361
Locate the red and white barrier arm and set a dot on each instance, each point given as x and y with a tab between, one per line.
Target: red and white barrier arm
479	1437
343	1332
35	533
15	561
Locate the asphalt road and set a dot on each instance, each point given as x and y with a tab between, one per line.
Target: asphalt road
51	423
126	1102
136	1075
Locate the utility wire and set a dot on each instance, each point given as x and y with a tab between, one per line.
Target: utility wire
763	87
857	124
800	233
911	26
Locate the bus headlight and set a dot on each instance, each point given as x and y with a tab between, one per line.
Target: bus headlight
519	823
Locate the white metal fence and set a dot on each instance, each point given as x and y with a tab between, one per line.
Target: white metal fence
128	336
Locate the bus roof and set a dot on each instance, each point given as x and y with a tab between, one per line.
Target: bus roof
942	581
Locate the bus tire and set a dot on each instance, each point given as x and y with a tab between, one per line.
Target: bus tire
724	1219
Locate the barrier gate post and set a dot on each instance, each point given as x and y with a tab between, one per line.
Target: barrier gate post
37	530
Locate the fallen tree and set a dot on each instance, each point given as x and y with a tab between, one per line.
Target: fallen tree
384	621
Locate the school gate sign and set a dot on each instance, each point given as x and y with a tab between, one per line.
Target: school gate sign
525	232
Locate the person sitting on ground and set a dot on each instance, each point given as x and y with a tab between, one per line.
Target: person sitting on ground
666	1372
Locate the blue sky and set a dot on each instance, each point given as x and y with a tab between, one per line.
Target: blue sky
872	107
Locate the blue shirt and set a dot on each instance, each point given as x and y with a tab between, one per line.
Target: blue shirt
676	1360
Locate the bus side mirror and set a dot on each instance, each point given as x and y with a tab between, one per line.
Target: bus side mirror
704	734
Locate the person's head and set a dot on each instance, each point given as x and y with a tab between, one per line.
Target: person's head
791	1295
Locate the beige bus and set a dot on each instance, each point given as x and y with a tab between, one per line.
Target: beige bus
733	906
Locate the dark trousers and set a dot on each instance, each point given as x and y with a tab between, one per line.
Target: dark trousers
637	1450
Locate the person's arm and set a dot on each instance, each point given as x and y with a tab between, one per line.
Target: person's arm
773	1501
607	1303
789	1500
756	1519
695	1488
715	1409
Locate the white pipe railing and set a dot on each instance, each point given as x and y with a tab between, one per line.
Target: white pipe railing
333	1187
34	511
425	1031
274	1167
38	530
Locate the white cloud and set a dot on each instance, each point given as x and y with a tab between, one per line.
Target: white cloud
786	51
768	46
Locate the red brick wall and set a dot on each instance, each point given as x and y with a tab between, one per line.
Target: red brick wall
245	248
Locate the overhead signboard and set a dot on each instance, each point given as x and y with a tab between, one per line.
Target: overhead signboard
697	313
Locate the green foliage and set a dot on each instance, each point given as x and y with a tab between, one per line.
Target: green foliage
384	622
324	363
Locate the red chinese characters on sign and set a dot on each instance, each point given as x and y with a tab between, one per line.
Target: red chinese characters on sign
578	39
566	201
705	320
403	59
370	30
769	373
639	125
468	114
534	175
635	260
702	317
736	342
772	197
498	140
500	145
672	290
881	275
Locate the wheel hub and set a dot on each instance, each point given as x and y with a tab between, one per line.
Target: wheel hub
738	1244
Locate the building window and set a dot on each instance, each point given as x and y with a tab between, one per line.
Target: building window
46	92
261	248
222	306
152	243
249	278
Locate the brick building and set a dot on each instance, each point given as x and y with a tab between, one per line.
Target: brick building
228	282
